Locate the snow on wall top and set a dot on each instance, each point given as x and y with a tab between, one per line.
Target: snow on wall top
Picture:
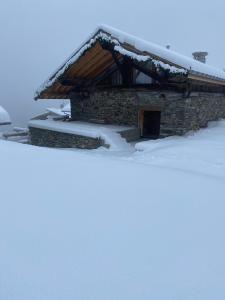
185	64
108	133
4	116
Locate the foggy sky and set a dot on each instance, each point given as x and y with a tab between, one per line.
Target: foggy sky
36	36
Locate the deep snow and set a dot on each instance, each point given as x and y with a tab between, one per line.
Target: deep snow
103	225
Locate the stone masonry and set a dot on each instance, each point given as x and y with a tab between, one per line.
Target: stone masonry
178	114
48	138
122	107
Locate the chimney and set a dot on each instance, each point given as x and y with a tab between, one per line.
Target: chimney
200	56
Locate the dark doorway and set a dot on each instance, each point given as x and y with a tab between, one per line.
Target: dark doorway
151	124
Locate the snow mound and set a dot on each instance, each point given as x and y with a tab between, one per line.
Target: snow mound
4	117
200	152
74	225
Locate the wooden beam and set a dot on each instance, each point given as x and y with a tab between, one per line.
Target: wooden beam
104	75
70	81
148	69
128	71
208	80
119	65
53	96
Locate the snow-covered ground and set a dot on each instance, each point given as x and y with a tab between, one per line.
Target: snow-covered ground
146	224
202	152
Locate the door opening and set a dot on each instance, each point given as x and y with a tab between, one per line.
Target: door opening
151	124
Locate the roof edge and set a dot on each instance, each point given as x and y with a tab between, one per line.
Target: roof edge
118	39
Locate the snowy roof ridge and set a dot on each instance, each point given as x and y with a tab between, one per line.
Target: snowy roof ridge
176	62
173	57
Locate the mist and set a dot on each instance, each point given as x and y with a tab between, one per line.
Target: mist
37	36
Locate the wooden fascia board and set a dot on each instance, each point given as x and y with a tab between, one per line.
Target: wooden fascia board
53	97
206	80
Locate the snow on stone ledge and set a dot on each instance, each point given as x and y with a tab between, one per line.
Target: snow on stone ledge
108	133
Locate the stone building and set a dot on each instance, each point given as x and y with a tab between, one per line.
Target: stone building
146	90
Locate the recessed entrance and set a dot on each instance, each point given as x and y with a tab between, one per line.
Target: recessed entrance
150	124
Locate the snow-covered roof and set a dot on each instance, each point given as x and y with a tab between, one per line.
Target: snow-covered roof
139	50
170	56
4	117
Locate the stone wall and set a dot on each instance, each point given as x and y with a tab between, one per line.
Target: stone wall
200	108
54	139
113	106
171	104
178	114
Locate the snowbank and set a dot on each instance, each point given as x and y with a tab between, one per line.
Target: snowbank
4	117
200	152
83	226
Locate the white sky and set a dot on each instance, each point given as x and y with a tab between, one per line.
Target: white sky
38	35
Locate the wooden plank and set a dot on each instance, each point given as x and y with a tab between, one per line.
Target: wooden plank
54	96
96	69
94	63
82	66
208	80
107	62
141	121
81	62
104	75
100	69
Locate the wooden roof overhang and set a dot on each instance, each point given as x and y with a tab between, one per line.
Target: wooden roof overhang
195	76
100	59
95	61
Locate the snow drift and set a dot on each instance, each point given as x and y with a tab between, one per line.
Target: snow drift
94	225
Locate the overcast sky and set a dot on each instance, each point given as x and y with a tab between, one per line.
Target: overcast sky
36	36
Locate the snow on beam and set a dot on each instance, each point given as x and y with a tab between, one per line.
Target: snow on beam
104	38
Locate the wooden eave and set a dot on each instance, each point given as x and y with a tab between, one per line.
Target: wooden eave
96	61
206	79
89	66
